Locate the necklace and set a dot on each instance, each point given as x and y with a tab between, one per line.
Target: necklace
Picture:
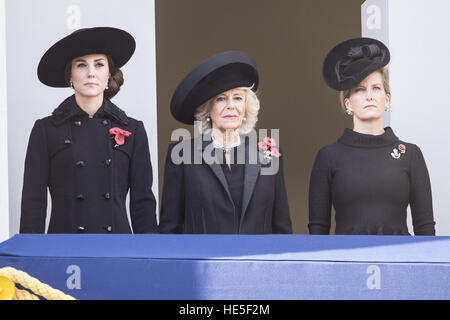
227	148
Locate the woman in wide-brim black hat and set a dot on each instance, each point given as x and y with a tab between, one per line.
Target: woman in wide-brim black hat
369	176
88	154
220	182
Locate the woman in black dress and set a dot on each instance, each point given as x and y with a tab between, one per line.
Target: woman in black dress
88	153
369	176
222	182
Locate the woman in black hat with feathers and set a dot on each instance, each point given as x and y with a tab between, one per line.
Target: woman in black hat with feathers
369	176
88	153
221	182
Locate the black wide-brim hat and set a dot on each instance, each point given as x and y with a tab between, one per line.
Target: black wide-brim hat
217	74
116	43
351	61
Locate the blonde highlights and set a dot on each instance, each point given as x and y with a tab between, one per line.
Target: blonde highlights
252	106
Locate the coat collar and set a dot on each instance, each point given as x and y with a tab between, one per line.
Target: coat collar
69	109
360	140
252	170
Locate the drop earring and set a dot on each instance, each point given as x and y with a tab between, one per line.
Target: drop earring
71	84
347	109
388	107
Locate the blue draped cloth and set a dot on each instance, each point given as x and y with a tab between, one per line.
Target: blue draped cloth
250	267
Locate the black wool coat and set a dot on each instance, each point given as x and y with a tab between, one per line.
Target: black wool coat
87	173
196	197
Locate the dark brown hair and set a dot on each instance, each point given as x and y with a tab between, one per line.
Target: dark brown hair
114	82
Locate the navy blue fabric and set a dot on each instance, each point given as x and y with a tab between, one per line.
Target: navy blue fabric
235	266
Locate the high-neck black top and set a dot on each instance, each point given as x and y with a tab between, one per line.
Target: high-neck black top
370	180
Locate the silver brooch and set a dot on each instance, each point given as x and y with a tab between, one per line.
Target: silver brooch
396	154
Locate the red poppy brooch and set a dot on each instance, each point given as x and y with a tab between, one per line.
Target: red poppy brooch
119	135
269	149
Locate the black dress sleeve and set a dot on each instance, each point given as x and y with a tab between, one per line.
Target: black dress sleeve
142	200
35	182
320	195
420	195
173	202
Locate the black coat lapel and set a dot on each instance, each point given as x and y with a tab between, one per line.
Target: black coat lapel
211	159
252	170
251	174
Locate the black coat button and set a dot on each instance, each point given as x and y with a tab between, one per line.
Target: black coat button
108	162
107	195
105	122
80	197
81	164
108	228
77	123
81	229
67	141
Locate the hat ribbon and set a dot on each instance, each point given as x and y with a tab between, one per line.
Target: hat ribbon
365	52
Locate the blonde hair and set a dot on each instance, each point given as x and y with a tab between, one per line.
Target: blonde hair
251	112
385	78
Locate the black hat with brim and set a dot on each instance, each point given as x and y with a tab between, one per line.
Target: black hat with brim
217	74
351	61
116	43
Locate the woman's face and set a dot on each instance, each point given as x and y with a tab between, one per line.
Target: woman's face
228	109
368	100
90	74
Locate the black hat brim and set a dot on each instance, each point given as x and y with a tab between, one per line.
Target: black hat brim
356	72
116	43
217	74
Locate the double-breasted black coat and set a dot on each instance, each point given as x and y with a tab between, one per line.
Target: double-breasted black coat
196	197
87	173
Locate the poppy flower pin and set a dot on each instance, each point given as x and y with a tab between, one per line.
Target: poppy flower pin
119	135
269	149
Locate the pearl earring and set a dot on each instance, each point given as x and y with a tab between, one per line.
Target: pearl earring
208	119
388	107
349	112
245	119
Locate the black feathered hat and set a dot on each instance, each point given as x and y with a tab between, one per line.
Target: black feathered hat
217	74
351	61
117	43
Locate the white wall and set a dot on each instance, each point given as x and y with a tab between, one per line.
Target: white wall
4	211
32	27
420	44
417	34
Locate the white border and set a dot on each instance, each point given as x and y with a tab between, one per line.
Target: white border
4	195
